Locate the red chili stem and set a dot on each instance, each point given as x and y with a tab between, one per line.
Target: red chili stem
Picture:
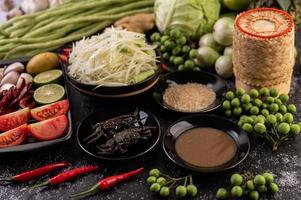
29	175
108	182
66	175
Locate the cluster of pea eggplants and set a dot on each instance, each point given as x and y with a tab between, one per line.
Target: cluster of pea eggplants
175	49
163	184
263	113
248	186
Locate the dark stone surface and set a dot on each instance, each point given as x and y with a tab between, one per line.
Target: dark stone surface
285	163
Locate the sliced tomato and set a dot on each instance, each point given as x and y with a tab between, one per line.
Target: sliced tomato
51	110
14	119
49	129
13	137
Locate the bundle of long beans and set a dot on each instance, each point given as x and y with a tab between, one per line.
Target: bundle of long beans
47	30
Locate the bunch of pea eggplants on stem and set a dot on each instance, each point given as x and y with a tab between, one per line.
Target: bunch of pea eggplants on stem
248	185
162	184
176	49
263	113
62	177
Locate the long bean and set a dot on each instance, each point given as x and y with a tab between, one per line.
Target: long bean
33	15
20	32
83	6
59	42
93	18
8	47
47	30
75	37
52	36
66	16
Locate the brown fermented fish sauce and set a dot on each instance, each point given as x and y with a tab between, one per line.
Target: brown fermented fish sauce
205	147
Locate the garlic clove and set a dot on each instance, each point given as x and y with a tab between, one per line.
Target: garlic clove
1	73
27	77
31	6
11	77
13	13
53	3
6	86
17	66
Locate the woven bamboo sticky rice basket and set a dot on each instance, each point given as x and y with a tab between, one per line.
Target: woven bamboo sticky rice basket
263	49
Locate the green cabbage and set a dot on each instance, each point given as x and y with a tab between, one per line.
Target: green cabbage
192	17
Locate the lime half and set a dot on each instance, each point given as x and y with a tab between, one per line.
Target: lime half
50	76
49	93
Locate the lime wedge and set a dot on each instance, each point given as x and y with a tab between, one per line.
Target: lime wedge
50	76
49	93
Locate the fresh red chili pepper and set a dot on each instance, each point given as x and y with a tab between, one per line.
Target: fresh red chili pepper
164	67
67	51
63	58
65	176
29	175
108	182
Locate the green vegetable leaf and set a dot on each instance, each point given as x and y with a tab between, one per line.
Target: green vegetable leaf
284	4
191	17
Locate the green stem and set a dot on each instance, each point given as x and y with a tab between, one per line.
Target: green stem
86	193
44	184
167	176
185	182
190	180
171	181
172	185
7	179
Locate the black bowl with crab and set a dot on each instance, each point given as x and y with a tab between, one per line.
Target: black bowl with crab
142	147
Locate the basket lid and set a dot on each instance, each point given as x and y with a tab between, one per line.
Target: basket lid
265	23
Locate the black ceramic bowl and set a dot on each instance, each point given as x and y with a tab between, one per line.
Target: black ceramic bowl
240	138
114	91
217	84
148	119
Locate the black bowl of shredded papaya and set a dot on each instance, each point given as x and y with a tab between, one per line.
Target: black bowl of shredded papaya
118	133
190	91
115	91
114	64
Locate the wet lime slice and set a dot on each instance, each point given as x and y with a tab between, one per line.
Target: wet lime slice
49	93
50	76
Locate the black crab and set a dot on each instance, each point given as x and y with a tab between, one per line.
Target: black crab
123	140
108	128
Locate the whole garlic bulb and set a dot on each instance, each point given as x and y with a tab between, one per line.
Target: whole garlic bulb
30	6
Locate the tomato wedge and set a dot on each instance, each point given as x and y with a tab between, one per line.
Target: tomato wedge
13	137
49	111
49	129
14	119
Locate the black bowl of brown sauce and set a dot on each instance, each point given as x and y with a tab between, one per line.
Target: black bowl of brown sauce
206	143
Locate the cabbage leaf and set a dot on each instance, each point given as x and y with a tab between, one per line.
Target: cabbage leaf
192	17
